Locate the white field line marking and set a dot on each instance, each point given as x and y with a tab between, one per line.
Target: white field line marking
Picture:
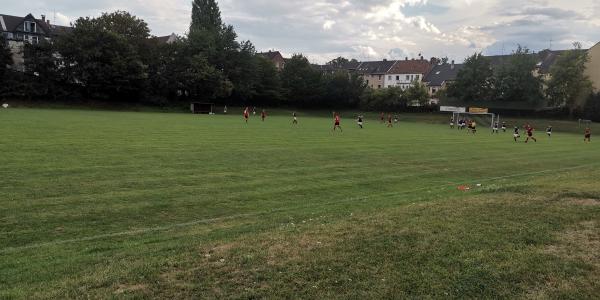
217	219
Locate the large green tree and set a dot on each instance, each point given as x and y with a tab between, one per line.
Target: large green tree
5	56
302	83
417	93
516	80
474	82
104	56
568	85
268	86
342	89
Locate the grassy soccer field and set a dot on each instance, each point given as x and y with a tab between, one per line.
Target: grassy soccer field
147	205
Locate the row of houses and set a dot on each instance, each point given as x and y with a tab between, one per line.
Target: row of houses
436	75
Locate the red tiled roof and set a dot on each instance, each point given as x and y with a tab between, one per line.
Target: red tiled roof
411	67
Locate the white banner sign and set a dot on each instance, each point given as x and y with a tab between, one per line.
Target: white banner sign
453	109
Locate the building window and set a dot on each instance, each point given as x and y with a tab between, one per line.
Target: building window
398	78
30	27
379	86
367	81
379	77
407	77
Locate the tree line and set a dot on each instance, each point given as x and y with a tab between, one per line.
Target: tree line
518	80
112	58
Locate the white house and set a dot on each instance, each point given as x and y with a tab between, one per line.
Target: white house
405	73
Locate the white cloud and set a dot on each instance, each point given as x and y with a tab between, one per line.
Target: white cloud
328	24
364	29
62	19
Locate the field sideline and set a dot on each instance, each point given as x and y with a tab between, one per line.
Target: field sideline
101	204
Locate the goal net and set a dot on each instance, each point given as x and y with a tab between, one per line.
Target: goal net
482	119
584	123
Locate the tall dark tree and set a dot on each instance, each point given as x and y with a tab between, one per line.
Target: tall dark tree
206	15
474	82
342	90
5	57
516	81
102	56
268	86
568	85
302	84
591	109
45	72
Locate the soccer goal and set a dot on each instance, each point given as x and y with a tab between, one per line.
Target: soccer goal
486	119
585	123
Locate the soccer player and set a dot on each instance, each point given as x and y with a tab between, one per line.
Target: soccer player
529	133
225	110
503	126
549	131
254	110
516	135
495	129
295	121
246	114
473	127
588	135
390	124
396	119
382	118
359	121
452	123
337	123
263	115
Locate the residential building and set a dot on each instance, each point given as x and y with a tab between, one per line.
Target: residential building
351	66
441	76
20	30
405	73
374	72
167	39
545	60
592	70
275	57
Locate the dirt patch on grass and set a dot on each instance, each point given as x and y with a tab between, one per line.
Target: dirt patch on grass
579	245
581	242
584	201
133	288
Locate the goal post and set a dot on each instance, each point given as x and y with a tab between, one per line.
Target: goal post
488	119
584	123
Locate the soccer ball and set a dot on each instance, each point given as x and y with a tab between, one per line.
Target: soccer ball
5	105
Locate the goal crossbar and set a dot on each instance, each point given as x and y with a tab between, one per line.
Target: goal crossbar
494	117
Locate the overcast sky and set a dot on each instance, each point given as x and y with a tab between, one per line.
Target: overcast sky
364	29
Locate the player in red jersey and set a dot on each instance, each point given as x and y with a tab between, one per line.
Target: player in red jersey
337	122
263	115
530	129
382	118
390	124
246	114
588	135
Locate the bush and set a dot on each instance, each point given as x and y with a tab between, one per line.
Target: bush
592	108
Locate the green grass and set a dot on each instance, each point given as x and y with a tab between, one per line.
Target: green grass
100	204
